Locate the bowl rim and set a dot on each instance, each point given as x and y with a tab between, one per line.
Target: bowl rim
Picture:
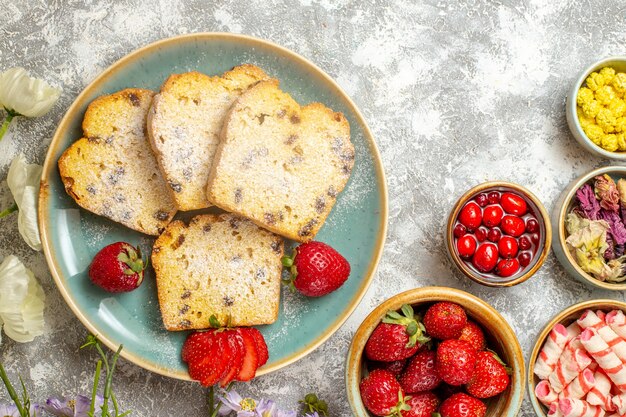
537	406
136	54
577	129
429	294
562	213
460	264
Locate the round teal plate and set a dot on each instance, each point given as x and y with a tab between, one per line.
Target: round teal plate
72	236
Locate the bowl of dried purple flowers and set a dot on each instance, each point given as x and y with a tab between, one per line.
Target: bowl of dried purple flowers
589	226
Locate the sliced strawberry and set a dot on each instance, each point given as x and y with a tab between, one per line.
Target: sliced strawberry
236	346
251	359
261	347
209	368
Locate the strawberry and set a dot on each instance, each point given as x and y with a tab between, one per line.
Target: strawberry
395	367
251	357
455	361
381	393
445	320
490	376
118	268
316	269
237	348
473	334
422	405
204	353
397	337
261	347
421	373
462	405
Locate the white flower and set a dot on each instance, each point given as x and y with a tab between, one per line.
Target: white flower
21	301
27	96
23	181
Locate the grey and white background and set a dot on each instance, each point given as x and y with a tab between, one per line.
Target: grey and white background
455	92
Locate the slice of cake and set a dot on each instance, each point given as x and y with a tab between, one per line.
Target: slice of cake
184	126
221	265
280	164
112	171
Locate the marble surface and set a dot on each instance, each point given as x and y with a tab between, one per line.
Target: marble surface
455	93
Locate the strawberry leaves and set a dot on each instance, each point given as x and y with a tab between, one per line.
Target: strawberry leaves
414	328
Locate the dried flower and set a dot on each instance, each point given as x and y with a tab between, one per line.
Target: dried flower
607	193
23	180
617	231
589	205
21	301
621	189
587	243
78	407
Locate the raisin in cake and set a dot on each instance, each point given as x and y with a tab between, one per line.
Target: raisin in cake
111	171
280	164
221	265
184	124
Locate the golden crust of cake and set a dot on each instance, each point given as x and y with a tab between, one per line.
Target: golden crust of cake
280	164
111	171
222	265
184	125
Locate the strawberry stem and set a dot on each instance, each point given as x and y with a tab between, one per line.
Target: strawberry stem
414	328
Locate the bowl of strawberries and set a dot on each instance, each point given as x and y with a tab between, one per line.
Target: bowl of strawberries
578	364
435	350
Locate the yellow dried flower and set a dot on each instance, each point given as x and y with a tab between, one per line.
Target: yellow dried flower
595	133
607	74
621	141
617	107
620	124
619	83
606	120
591	108
594	81
609	143
605	94
584	95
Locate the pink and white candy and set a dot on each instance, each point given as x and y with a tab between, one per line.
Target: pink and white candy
551	351
606	358
590	320
600	393
571	407
580	386
567	368
617	321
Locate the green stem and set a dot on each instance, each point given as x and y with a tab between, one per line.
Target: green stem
105	403
107	385
8	211
11	391
211	400
6	123
94	391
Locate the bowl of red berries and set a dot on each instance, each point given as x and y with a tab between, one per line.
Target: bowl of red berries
498	234
435	350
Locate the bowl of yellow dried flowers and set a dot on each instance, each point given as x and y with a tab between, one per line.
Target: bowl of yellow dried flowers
596	108
589	226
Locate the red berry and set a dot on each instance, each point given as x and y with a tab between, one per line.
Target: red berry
513	204
492	215
471	216
493	197
117	268
204	354
421	373
445	320
459	230
395	367
524	243
490	376
481	199
535	238
481	234
524	259
512	225
507	246
379	392
473	334
532	225
423	404
466	246
485	257
400	337
317	269
494	234
455	361
462	405
507	267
